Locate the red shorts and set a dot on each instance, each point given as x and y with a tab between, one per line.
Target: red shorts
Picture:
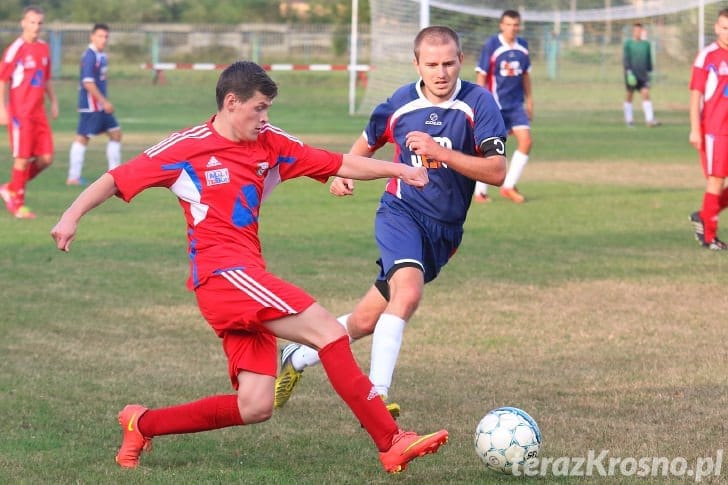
236	303
30	137
714	155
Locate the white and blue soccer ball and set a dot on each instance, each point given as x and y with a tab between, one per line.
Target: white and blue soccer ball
505	437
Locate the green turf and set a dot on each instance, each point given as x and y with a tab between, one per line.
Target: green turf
590	306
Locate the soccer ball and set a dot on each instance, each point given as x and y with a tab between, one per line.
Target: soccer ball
505	437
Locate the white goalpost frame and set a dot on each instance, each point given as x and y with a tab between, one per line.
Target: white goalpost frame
354	45
353	55
424	9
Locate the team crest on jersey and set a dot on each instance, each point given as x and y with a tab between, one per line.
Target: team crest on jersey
217	177
262	167
723	69
510	68
433	120
213	162
29	62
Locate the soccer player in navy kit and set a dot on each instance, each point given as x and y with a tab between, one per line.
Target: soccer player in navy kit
220	171
96	112
452	127
504	70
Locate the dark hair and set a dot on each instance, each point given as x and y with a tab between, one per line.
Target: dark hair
723	13
637	24
437	33
511	14
100	26
244	79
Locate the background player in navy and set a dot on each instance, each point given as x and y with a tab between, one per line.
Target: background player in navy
503	69
637	61
220	171
96	112
453	128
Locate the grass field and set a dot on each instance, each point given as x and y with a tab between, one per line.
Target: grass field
590	306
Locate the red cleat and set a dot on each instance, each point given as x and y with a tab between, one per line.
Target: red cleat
132	441
407	445
513	194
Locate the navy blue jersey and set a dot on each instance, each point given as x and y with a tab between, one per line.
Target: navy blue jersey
504	65
462	123
93	68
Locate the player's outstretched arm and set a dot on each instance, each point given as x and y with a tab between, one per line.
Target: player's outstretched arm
363	168
65	229
341	186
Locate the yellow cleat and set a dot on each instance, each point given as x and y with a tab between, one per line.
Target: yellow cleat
392	407
287	378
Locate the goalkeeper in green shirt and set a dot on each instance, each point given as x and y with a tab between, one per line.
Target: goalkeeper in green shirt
637	60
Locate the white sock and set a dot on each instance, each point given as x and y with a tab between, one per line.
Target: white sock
649	114
481	188
628	117
386	342
113	153
75	160
518	163
305	356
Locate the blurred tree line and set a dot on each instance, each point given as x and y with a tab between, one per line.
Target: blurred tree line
188	11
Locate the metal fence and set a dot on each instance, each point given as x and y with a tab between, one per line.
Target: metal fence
215	43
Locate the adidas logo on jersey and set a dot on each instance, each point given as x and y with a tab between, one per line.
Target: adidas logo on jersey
213	162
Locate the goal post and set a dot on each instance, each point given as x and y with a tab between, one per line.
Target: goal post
574	45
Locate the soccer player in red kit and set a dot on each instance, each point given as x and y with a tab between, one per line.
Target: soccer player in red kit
25	74
221	171
709	131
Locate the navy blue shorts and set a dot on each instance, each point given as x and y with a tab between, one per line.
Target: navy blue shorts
407	238
90	124
515	118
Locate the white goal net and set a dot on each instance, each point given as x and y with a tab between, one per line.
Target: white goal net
568	41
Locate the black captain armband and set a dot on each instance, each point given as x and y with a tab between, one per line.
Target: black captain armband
493	146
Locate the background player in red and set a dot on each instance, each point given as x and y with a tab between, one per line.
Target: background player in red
452	127
95	110
25	75
221	171
709	131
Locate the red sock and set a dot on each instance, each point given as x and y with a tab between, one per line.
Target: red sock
33	171
709	215
358	392
724	199
208	413
18	179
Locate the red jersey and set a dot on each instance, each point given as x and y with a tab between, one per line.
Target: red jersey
710	77
27	67
220	185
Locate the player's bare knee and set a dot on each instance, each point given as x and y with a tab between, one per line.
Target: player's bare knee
409	296
43	162
361	324
252	411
